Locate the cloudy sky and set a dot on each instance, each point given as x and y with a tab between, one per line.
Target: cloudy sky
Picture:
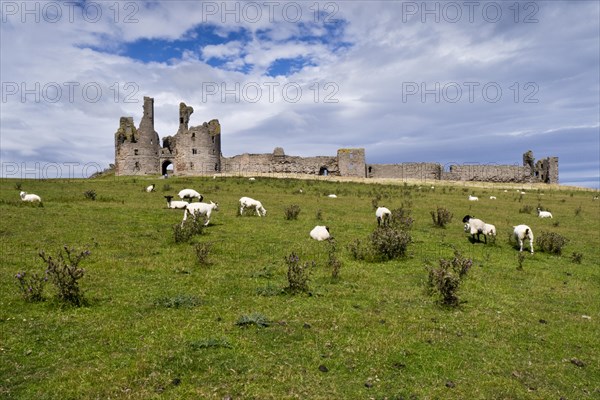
447	82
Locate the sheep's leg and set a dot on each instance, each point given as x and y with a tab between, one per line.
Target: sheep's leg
184	217
521	244
531	245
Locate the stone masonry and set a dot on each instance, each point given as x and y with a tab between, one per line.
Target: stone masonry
196	150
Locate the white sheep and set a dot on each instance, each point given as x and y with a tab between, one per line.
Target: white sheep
544	214
475	227
492	197
247	202
30	197
473	198
150	188
384	215
252	179
332	196
489	230
200	209
522	232
190	194
176	204
320	232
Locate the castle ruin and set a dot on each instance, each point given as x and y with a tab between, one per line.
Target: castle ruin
196	150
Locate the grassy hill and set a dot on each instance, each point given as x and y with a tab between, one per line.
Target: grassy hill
158	324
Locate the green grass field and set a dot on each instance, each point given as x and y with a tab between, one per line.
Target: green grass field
372	333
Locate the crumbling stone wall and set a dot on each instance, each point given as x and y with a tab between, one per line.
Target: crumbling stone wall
423	171
278	162
488	173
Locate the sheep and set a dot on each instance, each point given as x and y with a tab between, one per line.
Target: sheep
198	209
176	204
332	196
475	227
544	214
492	197
252	179
247	202
190	194
522	232
473	198
383	215
30	197
150	188
320	233
489	230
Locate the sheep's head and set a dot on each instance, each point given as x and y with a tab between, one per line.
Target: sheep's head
168	198
466	218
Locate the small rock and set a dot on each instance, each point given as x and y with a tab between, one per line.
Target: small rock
323	368
176	382
368	384
577	362
306	325
543	321
450	384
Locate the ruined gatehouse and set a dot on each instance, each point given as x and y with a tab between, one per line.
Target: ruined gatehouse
196	150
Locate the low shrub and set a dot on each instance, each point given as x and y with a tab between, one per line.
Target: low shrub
526	209
90	194
64	273
401	218
332	261
551	242
576	257
178	301
253	319
298	274
292	212
445	279
32	286
182	233
202	251
389	243
441	217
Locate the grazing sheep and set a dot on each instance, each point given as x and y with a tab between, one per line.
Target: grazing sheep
247	202
30	197
384	215
332	196
522	232
176	204
320	233
489	230
492	197
150	188
544	214
475	227
190	194
251	179
473	198
200	209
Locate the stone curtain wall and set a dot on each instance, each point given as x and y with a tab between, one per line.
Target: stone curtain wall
421	171
488	173
271	163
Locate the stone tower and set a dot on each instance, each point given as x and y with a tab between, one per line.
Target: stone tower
137	150
198	148
351	162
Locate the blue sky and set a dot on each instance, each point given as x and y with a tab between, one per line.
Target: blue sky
449	82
